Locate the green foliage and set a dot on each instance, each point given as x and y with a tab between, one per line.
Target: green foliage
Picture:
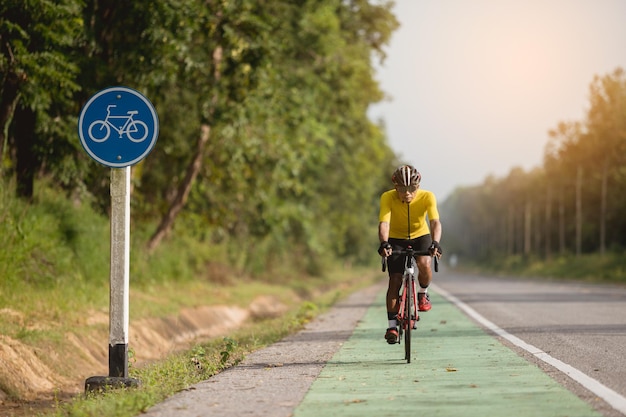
56	257
44	242
307	312
292	171
38	40
230	345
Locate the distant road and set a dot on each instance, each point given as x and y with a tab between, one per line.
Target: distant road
581	325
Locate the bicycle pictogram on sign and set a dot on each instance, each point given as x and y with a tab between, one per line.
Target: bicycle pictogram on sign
118	127
135	130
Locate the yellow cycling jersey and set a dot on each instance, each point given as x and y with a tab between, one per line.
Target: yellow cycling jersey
394	211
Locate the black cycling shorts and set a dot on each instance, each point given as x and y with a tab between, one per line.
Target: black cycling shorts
395	263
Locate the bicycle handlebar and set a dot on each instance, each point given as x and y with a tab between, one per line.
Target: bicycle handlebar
411	251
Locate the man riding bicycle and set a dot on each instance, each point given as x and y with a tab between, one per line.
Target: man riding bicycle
406	202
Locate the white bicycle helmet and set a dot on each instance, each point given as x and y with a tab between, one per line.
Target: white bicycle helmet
406	175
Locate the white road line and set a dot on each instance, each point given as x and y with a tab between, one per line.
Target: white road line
615	400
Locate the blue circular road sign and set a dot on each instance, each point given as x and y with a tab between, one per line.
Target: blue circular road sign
118	127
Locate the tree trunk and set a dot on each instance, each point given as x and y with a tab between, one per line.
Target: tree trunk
24	133
510	243
7	104
527	227
193	169
548	228
579	211
183	191
499	242
603	207
561	222
8	100
538	232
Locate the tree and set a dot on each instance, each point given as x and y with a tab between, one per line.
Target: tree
606	126
583	175
37	43
263	105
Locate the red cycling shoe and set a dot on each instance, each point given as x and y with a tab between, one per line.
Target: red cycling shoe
423	302
391	335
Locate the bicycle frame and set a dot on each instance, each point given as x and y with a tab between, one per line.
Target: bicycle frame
103	127
408	314
127	127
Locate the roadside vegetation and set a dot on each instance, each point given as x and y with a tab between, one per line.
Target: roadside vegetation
63	250
609	268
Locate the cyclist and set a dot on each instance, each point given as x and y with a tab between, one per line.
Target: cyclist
406	202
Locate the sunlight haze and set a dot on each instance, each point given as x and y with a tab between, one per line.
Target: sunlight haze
474	86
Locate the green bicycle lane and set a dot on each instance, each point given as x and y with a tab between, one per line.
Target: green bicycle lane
457	369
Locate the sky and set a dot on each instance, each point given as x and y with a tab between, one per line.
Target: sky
474	86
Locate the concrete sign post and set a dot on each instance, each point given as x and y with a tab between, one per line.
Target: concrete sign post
120	275
118	127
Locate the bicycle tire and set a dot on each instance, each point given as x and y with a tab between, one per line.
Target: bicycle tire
102	127
141	128
399	318
407	315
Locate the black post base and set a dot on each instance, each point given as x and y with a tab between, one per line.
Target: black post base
102	383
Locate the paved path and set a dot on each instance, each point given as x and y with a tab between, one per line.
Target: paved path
273	381
334	369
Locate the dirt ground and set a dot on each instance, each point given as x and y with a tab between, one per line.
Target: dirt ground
33	373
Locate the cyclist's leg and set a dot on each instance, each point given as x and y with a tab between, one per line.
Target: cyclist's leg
425	273
393	298
395	267
424	280
393	304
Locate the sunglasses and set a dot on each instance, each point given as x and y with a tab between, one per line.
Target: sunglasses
404	188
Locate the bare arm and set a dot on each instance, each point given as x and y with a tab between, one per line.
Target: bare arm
383	231
383	236
435	229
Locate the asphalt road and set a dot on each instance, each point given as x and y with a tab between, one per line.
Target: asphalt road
340	364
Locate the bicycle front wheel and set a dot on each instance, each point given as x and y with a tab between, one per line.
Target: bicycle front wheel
99	131
409	325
